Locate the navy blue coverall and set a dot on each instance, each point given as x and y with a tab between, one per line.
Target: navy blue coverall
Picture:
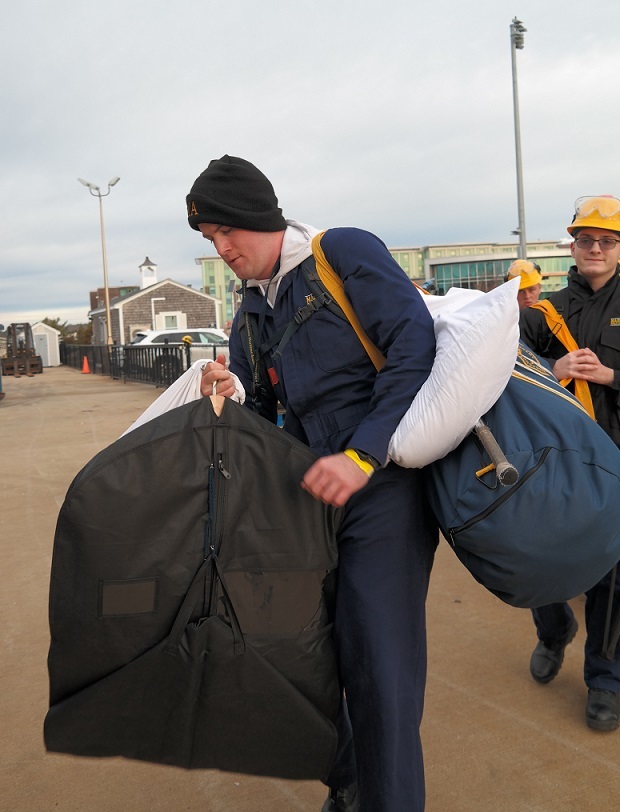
335	399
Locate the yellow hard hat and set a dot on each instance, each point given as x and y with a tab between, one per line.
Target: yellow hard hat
528	271
602	211
187	339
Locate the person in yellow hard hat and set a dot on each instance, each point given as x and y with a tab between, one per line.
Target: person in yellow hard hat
530	285
590	305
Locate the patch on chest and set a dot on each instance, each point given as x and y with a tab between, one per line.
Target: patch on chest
615	322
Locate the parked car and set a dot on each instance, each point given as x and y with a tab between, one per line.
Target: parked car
160	355
206	342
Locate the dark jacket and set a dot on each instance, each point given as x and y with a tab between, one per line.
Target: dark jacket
593	318
332	394
190	601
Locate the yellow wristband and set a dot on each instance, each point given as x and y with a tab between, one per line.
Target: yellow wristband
365	466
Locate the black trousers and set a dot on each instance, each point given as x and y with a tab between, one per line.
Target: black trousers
552	623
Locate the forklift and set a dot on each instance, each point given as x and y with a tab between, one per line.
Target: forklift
20	352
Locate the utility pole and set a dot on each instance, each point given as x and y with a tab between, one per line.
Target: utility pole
517	30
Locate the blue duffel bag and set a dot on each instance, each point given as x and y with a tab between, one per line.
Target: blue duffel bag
555	532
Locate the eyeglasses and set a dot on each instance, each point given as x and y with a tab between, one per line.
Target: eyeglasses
605	243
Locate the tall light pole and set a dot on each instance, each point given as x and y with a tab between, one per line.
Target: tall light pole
96	192
517	30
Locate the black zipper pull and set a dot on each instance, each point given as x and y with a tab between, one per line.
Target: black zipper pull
221	468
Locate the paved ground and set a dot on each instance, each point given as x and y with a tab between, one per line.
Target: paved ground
494	740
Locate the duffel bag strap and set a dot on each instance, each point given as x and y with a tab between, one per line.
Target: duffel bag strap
559	328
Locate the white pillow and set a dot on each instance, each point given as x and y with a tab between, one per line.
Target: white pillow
477	340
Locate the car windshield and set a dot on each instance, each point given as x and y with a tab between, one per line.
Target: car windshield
206	337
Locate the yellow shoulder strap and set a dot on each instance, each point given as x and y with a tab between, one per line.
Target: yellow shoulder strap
556	324
559	328
335	287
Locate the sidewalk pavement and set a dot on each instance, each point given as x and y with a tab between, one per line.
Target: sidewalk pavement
494	740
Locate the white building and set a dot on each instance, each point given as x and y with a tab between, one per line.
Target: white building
46	343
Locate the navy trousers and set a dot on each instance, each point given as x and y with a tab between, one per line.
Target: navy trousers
552	623
386	548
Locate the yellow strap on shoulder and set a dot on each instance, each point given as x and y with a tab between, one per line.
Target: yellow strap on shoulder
559	328
335	287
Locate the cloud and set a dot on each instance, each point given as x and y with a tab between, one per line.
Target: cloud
397	118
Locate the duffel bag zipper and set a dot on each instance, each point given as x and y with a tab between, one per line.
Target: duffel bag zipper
454	531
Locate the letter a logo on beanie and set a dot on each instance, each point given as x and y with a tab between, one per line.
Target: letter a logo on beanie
233	192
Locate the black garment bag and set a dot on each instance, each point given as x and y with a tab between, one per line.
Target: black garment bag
191	598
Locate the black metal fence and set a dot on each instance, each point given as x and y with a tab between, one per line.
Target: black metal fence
159	366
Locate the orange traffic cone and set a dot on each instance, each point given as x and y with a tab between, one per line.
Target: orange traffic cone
85	367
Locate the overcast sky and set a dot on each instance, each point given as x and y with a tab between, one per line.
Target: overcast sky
396	117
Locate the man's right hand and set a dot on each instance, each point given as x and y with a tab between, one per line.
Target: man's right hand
216	372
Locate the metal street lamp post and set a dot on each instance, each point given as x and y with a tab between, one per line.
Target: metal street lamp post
96	192
517	42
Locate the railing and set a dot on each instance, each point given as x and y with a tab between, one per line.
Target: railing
159	366
101	358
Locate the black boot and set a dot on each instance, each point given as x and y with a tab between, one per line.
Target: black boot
547	657
342	800
602	710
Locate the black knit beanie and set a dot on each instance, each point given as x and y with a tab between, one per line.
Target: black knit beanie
233	192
